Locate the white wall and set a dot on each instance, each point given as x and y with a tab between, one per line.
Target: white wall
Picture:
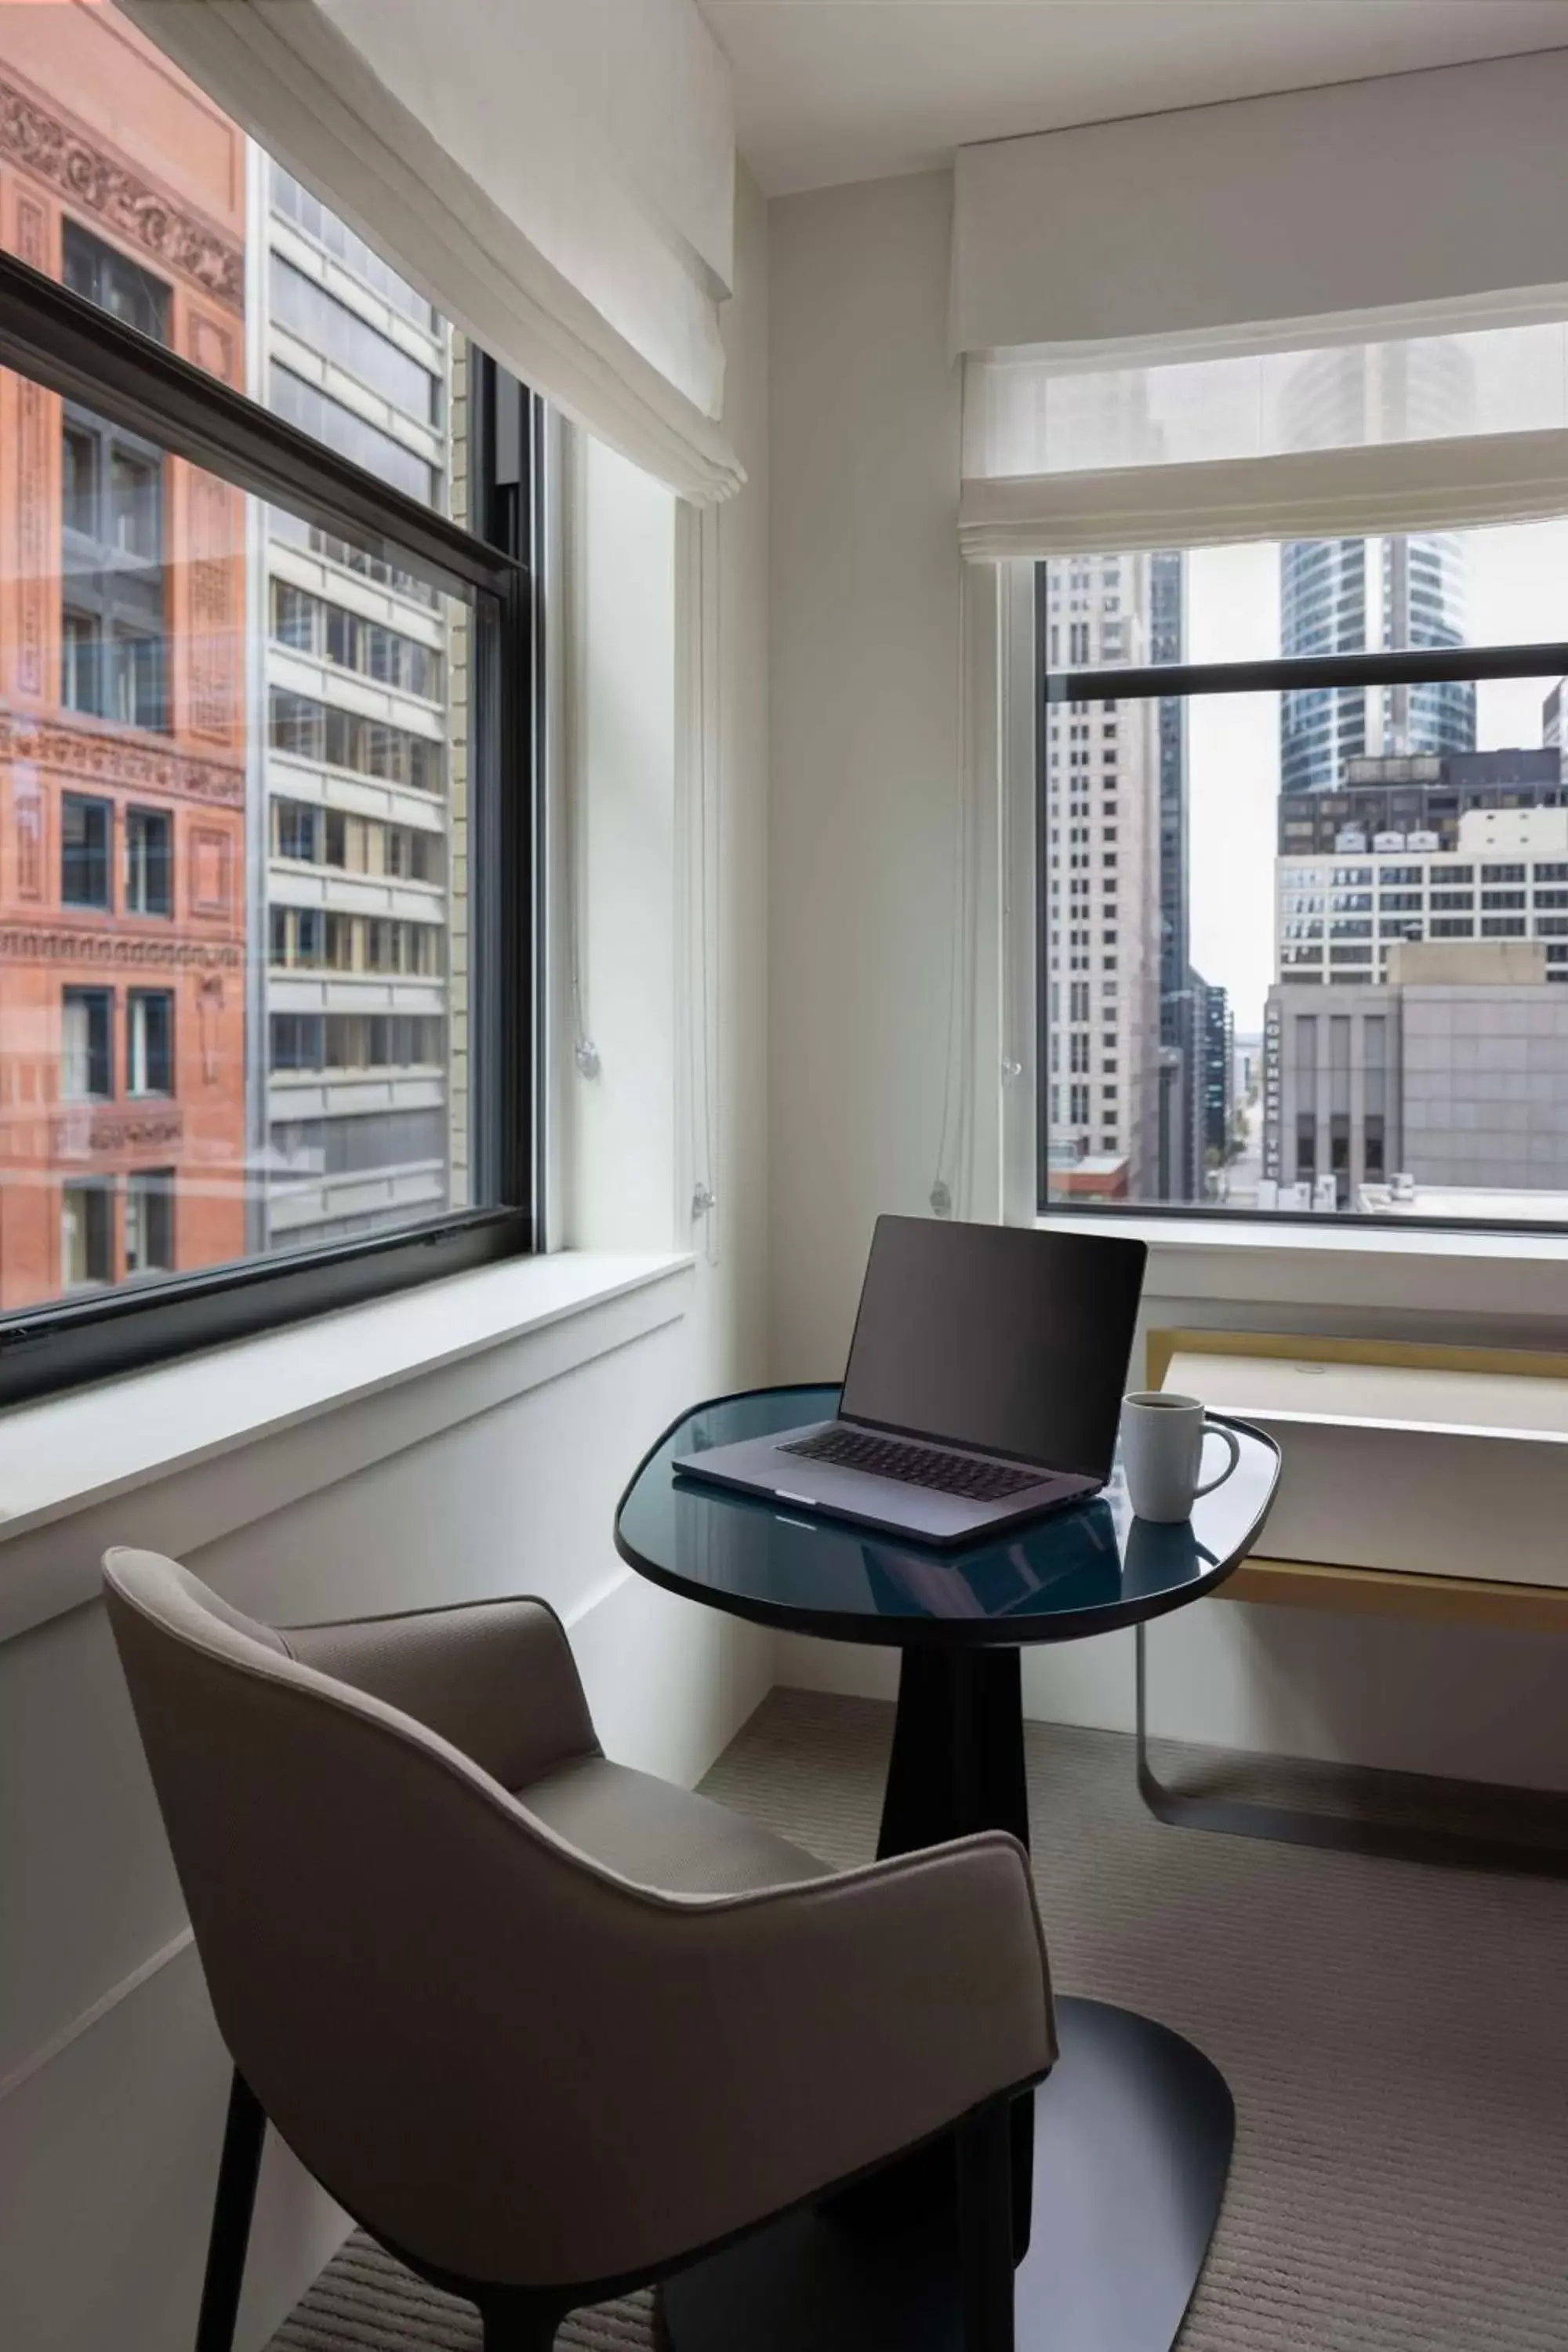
865	734
108	2141
864	791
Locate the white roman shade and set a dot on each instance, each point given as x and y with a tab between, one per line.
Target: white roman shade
557	175
1333	313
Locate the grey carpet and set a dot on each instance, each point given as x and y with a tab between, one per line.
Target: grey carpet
1396	2039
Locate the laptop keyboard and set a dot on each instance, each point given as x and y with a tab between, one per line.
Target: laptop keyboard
916	1465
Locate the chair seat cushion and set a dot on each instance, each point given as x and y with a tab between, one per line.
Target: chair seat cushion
661	1836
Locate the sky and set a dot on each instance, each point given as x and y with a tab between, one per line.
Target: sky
1517	592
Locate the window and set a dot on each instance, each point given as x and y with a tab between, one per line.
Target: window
309	729
114	588
269	790
303	211
307	309
87	1051
104	275
149	1221
294	616
149	1042
297	831
1379	836
87	1235
87	829
149	862
351	435
296	1041
352	1041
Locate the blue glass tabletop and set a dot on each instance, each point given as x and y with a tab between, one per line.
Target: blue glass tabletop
1077	1571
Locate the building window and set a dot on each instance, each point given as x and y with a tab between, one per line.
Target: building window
149	1221
258	676
297	831
294	616
305	212
113	596
102	274
87	1235
311	313
149	862
351	435
87	1046
308	730
86	831
149	1042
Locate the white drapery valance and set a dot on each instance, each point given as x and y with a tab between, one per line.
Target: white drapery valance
557	175
1347	441
1326	493
1336	313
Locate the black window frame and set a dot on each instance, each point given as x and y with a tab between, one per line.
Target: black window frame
1182	681
113	372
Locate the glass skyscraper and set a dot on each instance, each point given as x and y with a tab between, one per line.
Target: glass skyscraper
1373	595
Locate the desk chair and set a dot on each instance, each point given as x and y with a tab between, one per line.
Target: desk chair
547	2027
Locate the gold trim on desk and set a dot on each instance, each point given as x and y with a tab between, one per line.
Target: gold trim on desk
1310	1347
1391	1592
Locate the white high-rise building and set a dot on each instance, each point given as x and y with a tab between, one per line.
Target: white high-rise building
351	850
1100	883
1373	595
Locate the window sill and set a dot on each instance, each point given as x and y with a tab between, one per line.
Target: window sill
1481	1276
74	1453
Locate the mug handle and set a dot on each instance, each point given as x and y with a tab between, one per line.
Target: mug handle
1218	1429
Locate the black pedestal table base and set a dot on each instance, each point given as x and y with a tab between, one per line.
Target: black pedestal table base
1132	2141
1119	2160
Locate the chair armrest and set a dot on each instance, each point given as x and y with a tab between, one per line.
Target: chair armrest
497	1678
812	2031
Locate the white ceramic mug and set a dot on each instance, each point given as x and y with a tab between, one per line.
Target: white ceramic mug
1163	1451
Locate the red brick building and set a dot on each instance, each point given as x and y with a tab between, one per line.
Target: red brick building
122	690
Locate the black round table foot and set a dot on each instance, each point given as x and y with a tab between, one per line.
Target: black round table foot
1132	2141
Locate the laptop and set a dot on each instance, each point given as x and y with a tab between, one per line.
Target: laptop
984	1384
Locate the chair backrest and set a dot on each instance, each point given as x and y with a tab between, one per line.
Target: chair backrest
403	1963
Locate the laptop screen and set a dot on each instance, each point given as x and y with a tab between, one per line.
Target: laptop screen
998	1336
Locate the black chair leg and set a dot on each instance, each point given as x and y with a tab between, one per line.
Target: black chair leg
518	2327
986	2228
238	2166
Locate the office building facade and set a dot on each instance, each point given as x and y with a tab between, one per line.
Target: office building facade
1100	800
1339	918
1181	1155
1218	1074
1344	919
122	774
1373	595
1450	1073
357	775
1425	794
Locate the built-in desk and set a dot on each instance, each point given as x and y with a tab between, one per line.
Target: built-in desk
1422	1482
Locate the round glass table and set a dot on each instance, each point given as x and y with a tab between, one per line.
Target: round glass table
1120	2157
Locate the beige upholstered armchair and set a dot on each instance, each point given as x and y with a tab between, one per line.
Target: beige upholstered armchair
548	2028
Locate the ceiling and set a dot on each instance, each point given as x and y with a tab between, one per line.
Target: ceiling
828	90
